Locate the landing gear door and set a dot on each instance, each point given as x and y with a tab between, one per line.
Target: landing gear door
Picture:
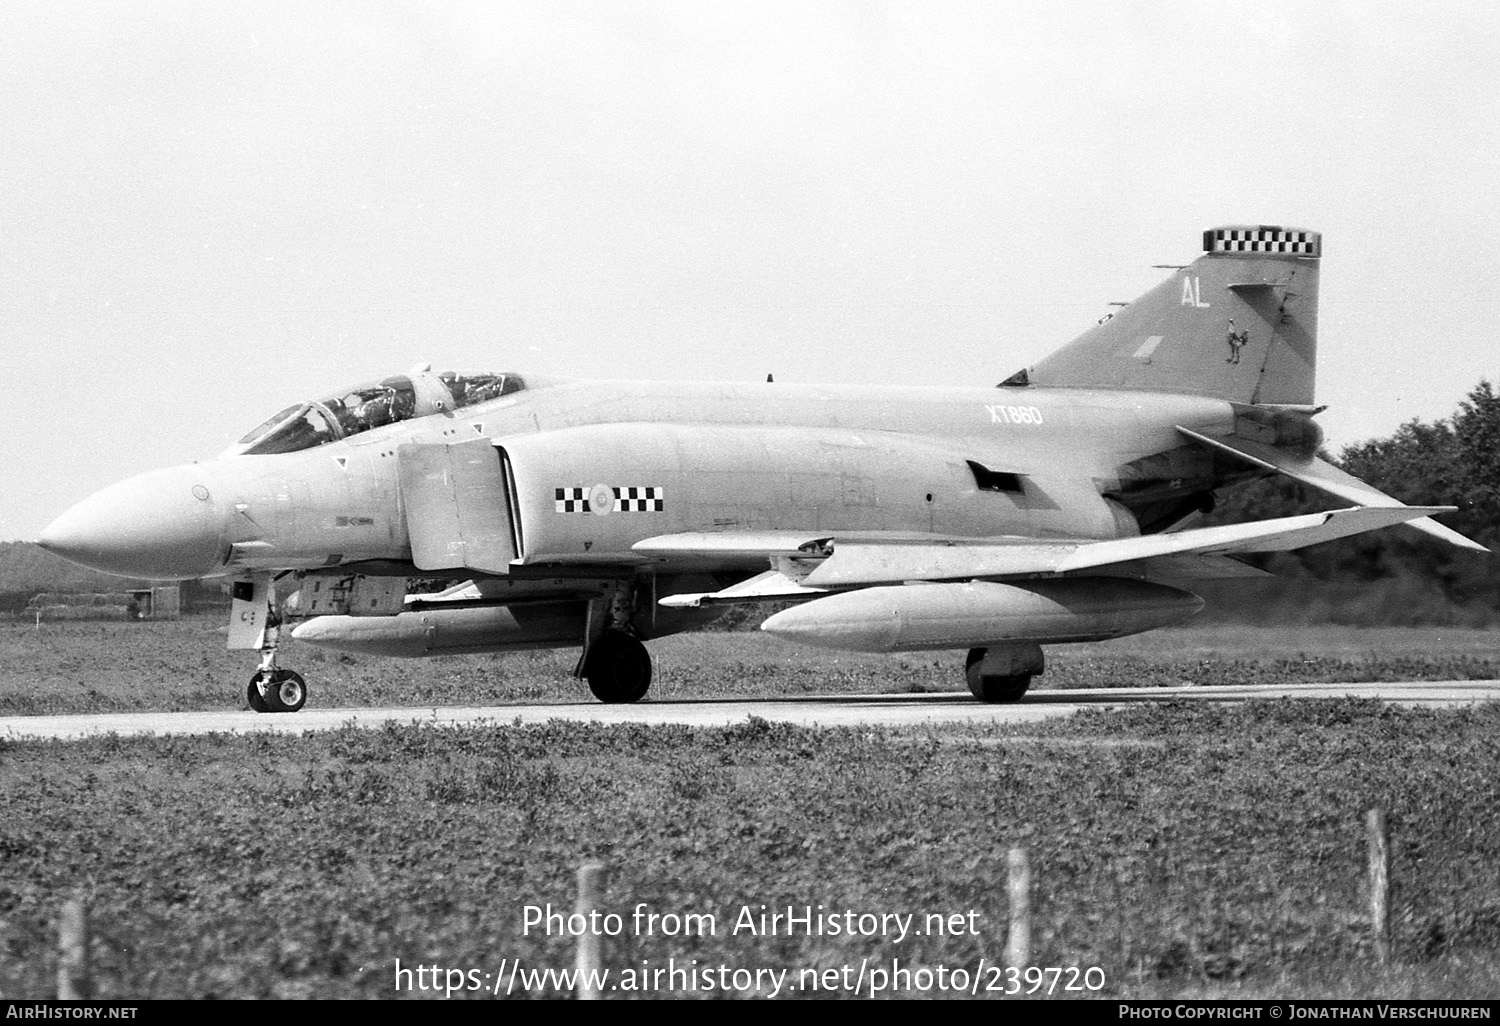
457	512
249	609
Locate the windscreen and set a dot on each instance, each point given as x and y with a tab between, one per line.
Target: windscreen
296	427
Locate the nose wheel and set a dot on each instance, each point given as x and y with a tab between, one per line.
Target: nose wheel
276	691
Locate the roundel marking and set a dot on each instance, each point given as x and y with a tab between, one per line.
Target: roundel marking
601	500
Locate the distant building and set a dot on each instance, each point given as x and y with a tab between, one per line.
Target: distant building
163	602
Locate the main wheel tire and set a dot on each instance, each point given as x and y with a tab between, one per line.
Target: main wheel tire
999	689
1004	688
253	697
618	668
287	693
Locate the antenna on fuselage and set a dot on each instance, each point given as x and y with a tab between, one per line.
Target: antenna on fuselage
769	379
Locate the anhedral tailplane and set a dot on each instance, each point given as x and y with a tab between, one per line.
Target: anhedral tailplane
1240	323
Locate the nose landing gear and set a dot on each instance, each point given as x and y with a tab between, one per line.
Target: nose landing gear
253	623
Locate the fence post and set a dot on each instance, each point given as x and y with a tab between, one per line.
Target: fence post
1379	842
593	877
1018	940
73	983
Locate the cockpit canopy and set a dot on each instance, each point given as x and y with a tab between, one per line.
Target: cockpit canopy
364	407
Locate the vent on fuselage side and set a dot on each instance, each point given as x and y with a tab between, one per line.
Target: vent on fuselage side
995	480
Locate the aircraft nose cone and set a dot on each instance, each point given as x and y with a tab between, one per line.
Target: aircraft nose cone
164	525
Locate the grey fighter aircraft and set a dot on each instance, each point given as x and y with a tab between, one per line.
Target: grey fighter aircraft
1057	507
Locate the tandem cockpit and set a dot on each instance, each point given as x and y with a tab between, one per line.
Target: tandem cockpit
356	410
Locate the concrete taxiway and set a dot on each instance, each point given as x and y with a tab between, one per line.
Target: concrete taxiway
840	711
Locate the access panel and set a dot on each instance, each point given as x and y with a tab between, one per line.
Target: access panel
458	514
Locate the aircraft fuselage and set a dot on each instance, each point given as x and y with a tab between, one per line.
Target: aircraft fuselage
684	457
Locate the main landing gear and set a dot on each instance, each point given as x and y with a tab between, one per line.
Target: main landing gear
614	662
1002	673
618	668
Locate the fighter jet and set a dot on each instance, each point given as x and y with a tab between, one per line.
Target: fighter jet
441	512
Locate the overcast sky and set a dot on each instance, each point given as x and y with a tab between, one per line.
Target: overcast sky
210	211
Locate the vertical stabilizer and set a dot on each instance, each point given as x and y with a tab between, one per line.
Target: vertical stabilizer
1240	323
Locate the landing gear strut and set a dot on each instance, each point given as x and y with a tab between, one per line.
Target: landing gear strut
254	623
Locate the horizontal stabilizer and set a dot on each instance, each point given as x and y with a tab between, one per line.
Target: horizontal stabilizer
1325	477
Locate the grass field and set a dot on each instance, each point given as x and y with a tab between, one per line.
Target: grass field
101	666
1182	850
1195	849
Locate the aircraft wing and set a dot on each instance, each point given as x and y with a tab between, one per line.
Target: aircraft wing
868	559
1325	477
862	563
